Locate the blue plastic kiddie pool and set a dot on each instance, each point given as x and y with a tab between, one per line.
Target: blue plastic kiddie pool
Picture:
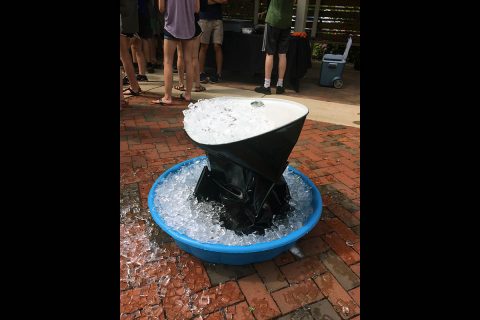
236	255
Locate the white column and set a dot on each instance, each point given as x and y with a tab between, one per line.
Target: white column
255	12
315	18
301	19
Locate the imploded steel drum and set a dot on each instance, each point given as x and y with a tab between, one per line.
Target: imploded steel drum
246	175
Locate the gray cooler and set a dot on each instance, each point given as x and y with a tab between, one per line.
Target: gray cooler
331	71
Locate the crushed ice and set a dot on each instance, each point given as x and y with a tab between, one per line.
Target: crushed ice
181	211
223	120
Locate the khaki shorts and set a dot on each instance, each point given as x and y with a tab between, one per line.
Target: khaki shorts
207	27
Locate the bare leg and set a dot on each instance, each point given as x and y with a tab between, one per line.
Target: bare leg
142	65
146	50
282	65
134	53
196	69
122	99
180	64
202	56
268	66
169	47
153	50
127	63
218	57
188	58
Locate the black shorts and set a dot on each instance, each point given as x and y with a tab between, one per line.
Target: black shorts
144	27
129	14
168	36
275	40
130	35
198	29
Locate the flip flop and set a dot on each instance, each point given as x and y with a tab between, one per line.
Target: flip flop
199	89
181	97
160	102
179	87
130	91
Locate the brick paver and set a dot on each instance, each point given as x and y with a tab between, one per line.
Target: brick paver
341	248
355	294
219	273
160	281
303	269
342	230
323	310
239	311
297	296
284	258
341	271
258	297
356	268
336	294
300	314
271	275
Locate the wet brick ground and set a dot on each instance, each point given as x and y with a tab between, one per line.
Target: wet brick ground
160	281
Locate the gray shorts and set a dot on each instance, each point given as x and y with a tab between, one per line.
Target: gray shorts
209	27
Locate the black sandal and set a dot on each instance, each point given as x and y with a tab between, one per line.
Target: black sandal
130	91
182	97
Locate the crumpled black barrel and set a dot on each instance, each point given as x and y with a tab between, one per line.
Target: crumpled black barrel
246	177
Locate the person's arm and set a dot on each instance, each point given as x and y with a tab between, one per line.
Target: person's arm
161	6
261	15
197	6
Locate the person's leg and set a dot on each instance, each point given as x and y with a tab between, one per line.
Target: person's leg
282	66
142	65
219	62
268	66
146	50
180	66
218	40
149	56
169	47
202	56
188	58
122	99
270	47
127	63
153	49
159	52
206	27
282	59
134	54
196	68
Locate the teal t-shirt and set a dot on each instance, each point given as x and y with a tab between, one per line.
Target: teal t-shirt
279	14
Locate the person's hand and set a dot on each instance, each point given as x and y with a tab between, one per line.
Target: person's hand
261	15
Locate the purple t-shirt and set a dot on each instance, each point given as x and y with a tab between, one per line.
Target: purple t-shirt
180	18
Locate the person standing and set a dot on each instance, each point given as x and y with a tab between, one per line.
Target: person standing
179	27
129	31
212	27
275	41
197	87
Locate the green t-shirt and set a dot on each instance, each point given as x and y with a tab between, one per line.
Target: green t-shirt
279	14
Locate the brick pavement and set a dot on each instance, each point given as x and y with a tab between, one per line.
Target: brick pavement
160	281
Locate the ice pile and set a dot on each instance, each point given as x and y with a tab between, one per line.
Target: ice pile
182	212
223	120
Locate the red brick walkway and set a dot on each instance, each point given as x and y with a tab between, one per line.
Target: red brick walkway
160	281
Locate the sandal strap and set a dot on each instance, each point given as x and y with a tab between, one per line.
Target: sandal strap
133	93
